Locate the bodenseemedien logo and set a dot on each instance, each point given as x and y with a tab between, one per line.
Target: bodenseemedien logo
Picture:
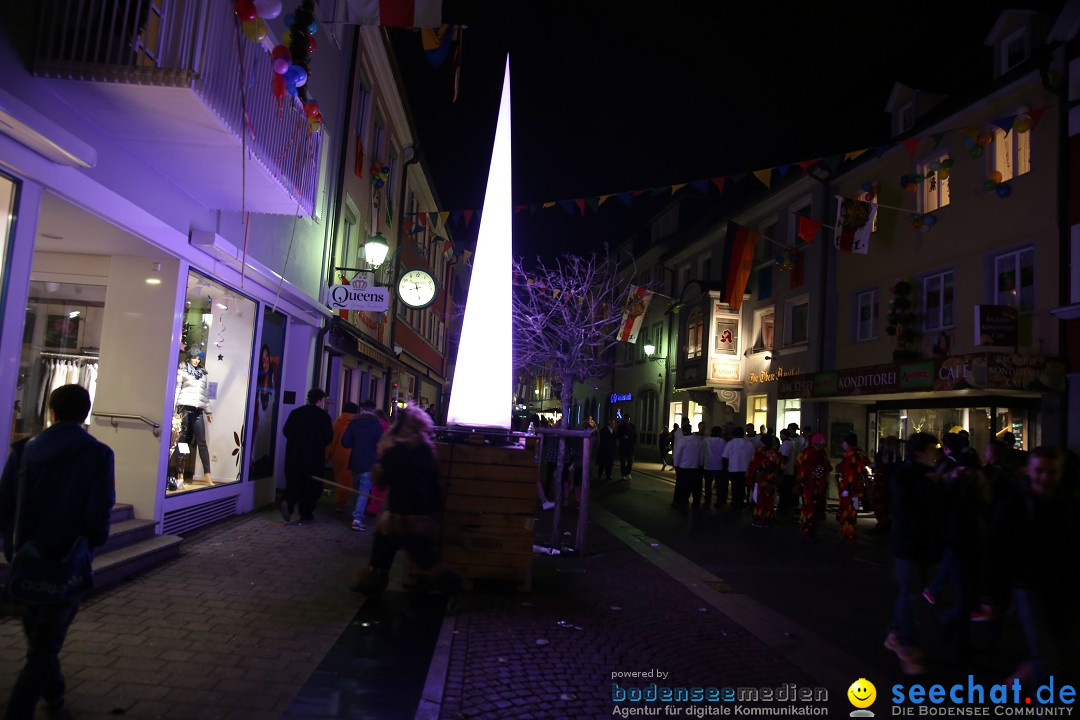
862	695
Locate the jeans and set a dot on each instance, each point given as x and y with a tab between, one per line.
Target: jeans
361	482
910	574
45	627
626	462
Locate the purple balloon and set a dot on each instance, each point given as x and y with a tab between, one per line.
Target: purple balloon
282	65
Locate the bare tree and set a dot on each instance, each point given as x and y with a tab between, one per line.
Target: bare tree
567	318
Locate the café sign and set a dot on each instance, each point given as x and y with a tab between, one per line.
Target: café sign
360	294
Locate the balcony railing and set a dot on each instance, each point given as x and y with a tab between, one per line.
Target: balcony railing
185	44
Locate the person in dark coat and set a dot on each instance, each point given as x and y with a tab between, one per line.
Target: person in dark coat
70	491
308	431
361	436
626	439
605	451
916	541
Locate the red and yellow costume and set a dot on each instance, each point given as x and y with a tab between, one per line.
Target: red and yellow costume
766	468
339	456
813	468
851	473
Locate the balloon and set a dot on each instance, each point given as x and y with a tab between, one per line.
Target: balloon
245	10
943	173
780	260
911	187
286	38
946	162
1003	190
254	30
918	179
279	86
268	9
929	220
282	65
289	19
311	109
313	125
290	88
989	185
935	165
1022	124
867	187
280	51
296	75
995	175
868	197
984	139
312	27
917	224
311	45
916	216
968	141
905	180
976	151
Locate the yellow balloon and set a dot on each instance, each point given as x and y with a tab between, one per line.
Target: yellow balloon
286	38
1022	124
943	174
254	30
313	125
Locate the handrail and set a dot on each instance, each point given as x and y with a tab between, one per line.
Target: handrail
126	416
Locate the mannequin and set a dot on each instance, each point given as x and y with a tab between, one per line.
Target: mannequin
193	404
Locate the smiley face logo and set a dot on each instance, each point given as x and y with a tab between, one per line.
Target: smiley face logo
862	694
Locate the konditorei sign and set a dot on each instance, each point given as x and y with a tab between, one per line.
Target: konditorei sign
360	294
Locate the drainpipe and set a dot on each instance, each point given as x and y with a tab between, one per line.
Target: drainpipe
397	256
824	286
1064	235
335	217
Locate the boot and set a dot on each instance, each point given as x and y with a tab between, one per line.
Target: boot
208	479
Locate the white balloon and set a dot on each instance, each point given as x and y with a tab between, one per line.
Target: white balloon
268	9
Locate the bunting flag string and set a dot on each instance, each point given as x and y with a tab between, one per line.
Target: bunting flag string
1022	122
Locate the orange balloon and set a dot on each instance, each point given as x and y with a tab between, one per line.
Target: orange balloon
911	187
995	175
984	139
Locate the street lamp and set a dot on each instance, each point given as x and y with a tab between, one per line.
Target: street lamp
375	250
650	352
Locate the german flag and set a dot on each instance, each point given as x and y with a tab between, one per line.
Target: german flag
741	244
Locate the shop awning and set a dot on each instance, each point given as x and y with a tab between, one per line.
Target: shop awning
365	346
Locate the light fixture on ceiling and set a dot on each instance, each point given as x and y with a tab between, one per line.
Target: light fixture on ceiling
74	314
153	281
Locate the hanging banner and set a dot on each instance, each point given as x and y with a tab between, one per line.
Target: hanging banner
634	313
360	294
855	222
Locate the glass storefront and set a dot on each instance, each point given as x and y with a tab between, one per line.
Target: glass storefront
982	423
267	397
212	381
7	214
61	342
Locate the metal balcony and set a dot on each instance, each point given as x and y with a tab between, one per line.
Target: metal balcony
164	77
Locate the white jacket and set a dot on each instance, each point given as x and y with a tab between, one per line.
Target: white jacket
689	452
191	390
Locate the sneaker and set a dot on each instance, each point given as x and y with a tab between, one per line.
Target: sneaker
286	515
984	615
892	642
358	525
929	597
548	505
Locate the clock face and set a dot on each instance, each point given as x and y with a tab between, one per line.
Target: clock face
417	288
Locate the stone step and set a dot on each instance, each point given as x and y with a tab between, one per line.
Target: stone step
127	532
114	566
121	512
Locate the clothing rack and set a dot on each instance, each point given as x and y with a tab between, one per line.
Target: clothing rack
67	356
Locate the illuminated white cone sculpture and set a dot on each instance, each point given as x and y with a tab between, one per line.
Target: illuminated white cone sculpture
483	379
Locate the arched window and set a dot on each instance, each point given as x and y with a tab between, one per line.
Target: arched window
695	330
649	420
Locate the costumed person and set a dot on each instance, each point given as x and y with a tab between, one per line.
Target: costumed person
307	431
851	477
813	468
339	456
408	468
193	405
763	475
67	490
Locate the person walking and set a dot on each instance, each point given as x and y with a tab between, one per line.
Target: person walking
408	469
738	452
663	444
813	468
626	437
361	437
916	541
789	451
689	456
66	492
763	476
850	475
605	450
339	456
307	431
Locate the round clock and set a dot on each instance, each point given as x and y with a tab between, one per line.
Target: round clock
416	288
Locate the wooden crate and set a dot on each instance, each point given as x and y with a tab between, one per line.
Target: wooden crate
490	510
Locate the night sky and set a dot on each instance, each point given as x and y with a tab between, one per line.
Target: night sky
616	96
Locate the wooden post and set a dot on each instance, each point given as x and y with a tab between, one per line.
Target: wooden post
583	511
556	517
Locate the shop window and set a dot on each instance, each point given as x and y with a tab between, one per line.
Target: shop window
648	417
1014	279
695	329
787	412
934	190
797	320
696	415
1012	153
764	325
267	396
938	304
866	322
757	410
212	381
675	414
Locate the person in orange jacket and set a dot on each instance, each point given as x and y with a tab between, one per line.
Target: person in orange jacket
763	476
851	477
813	468
339	456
